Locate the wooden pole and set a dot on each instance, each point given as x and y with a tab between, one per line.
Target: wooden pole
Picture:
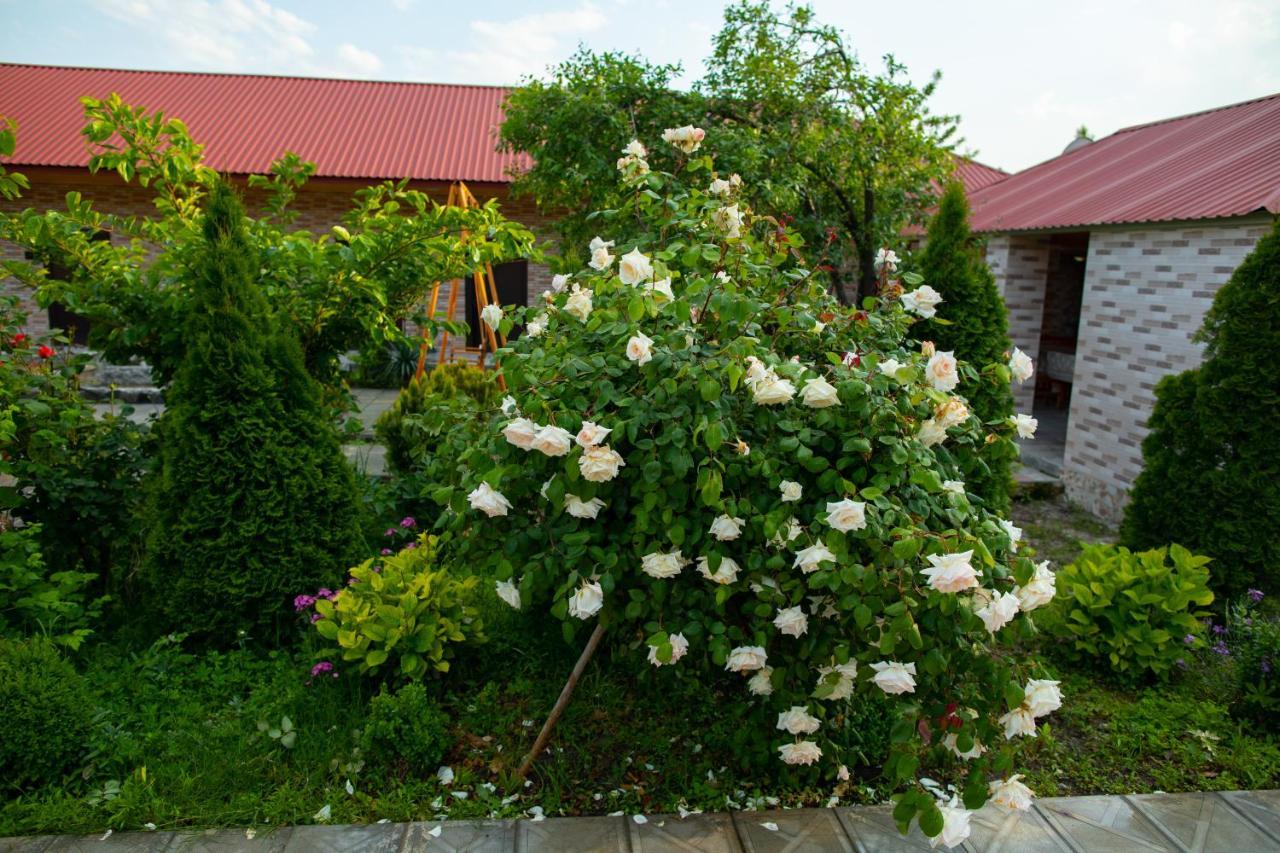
561	703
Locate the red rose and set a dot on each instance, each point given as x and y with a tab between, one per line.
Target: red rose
46	351
18	339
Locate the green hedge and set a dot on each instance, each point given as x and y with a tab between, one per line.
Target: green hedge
47	710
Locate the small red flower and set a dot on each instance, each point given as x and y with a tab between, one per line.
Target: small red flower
46	351
18	339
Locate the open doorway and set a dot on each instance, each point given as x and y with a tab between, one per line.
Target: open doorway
1059	331
512	281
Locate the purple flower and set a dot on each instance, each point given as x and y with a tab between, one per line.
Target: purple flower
302	602
1255	595
411	546
1266	667
352	581
316	617
1220	648
325	592
386	552
408	521
391	531
322	667
1219	630
1189	639
1180	663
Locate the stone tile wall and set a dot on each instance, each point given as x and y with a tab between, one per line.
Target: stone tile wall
1020	264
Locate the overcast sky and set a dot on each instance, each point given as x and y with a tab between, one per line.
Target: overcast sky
1022	75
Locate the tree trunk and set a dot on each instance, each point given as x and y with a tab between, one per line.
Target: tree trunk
867	279
561	703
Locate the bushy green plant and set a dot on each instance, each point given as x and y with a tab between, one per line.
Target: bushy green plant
47	711
976	329
715	464
253	499
35	599
1252	637
449	398
403	613
1134	613
1211	462
405	729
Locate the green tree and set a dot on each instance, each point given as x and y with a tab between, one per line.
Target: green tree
1211	462
253	501
976	328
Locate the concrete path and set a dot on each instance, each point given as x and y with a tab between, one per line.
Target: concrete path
1234	822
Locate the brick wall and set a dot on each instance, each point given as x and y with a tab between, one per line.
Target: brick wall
1145	295
1020	264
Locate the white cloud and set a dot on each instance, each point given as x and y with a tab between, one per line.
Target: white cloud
358	62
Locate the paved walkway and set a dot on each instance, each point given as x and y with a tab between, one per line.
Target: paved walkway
1234	822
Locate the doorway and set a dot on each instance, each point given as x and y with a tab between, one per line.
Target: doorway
1059	332
512	281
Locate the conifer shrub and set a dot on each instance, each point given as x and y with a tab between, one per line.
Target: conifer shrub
447	398
977	331
252	499
47	710
1211	462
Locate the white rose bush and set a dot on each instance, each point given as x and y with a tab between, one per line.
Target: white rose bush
738	478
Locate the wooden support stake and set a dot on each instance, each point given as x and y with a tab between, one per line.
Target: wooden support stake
561	703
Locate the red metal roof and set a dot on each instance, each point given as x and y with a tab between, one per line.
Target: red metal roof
349	128
974	175
1218	163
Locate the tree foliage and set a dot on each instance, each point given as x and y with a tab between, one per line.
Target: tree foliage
975	326
253	499
1211	462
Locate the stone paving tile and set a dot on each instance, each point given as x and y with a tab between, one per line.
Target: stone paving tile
1201	822
461	836
365	838
1103	824
873	830
798	831
995	829
117	842
233	840
704	833
26	844
572	835
1261	808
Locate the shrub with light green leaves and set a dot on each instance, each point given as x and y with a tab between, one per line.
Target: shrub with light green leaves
1134	612
403	613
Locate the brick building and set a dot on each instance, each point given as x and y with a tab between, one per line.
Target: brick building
1108	257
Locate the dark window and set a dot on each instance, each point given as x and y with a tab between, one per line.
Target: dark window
513	289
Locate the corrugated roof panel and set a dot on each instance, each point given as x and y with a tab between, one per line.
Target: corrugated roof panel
350	128
1219	163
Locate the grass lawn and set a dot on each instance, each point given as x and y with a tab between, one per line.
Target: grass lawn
178	742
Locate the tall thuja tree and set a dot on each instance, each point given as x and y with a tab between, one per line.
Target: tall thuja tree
253	500
976	329
1211	463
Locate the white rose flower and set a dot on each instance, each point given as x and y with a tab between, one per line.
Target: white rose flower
635	268
1011	793
955	824
600	464
579	508
1021	366
951	413
726	574
600	259
1042	696
975	752
846	515
1038	591
808	559
727	528
688	138
488	500
746	659
1019	721
509	593
894	677
791	491
931	433
597	243
801	752
559	282
508	405
951	572
761	684
819	394
941	371
579	303
922	301
553	441
679	645
842	773
889	367
663	565
729	220
536	326
720	187
1014	533
791	621
797	720
635	149
742	447
587	601
771	390
999	611
521	432
843	687
955	488
1025	425
491	316
640	348
591	434
660	290
886	258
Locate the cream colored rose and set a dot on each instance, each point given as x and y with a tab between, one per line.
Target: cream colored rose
809	559
819	394
726	528
1025	425
1014	533
973	752
846	515
1038	591
951	413
579	303
1019	721
951	572
922	301
688	138
842	688
746	659
942	371
761	684
720	187
660	290
600	259
999	611
635	149
579	508
791	621
889	367
801	752
663	566
590	434
1021	366
894	677
955	488
729	220
553	441
536	326
726	574
931	433
600	464
488	500
679	645
491	316
886	259
640	348
797	720
771	390
1042	696
634	268
791	491
521	432
559	282
587	601
955	825
509	593
1011	793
